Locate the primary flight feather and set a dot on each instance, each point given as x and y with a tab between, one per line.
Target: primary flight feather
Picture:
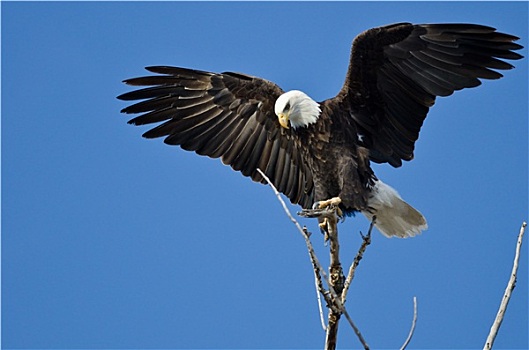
313	151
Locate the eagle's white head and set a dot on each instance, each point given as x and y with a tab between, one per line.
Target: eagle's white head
297	109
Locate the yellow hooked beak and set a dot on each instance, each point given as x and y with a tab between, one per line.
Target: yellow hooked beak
283	120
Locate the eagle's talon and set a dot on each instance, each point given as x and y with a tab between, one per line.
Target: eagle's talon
340	215
333	202
324	228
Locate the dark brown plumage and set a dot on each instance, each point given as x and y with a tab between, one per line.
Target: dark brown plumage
226	115
395	74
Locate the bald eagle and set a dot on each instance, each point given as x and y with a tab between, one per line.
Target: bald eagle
313	151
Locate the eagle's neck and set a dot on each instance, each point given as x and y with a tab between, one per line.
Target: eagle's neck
303	110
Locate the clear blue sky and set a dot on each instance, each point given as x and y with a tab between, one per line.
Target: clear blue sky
113	241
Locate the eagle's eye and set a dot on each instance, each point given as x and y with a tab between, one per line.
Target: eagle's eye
287	107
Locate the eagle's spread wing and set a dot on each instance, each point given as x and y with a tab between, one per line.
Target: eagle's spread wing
396	72
226	115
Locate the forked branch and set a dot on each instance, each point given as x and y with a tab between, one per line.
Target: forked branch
335	296
332	298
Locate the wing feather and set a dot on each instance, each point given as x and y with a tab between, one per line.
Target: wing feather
252	155
198	138
397	71
240	138
228	116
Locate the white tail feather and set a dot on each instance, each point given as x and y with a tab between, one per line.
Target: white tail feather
394	217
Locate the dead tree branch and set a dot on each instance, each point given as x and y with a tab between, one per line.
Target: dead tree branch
507	295
336	281
366	240
413	323
332	298
338	286
320	307
318	269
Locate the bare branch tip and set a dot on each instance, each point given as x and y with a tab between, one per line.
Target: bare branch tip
507	294
413	324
